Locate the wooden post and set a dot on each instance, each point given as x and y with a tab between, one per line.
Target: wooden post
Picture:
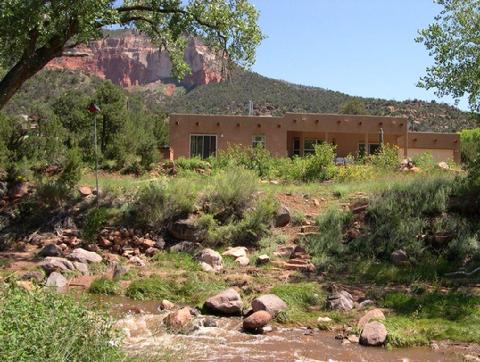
326	137
367	150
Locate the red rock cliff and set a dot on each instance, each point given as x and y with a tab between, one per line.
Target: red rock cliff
129	59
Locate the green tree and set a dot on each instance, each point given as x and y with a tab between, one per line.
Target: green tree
34	32
454	42
353	106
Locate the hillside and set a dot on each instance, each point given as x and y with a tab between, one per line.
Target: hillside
276	97
270	96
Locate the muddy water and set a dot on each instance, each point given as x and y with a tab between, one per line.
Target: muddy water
226	342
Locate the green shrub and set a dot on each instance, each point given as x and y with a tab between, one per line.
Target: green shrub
321	165
387	158
192	164
103	286
256	159
230	193
298	218
71	170
95	220
44	326
424	160
160	201
328	244
52	193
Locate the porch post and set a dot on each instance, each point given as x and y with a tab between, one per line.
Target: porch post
367	150
326	137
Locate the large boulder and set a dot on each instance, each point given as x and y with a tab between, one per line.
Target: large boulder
56	280
212	258
236	252
227	302
81	267
185	229
84	256
50	250
399	257
257	320
186	247
179	319
52	264
373	334
270	303
374	314
340	301
282	217
243	261
263	259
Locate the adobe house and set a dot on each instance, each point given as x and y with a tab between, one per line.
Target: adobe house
297	133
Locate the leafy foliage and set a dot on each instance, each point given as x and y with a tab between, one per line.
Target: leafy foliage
353	106
41	326
452	40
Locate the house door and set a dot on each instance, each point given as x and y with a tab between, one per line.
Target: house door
203	146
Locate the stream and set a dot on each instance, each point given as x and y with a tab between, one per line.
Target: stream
145	334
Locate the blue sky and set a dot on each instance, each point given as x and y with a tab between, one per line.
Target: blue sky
360	47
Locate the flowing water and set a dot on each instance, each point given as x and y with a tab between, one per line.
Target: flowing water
226	342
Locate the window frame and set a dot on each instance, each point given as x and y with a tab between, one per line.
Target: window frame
203	135
263	141
370	144
311	151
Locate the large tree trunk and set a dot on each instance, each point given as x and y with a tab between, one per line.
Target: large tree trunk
26	68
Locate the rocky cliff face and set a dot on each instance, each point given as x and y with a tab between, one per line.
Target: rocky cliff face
130	59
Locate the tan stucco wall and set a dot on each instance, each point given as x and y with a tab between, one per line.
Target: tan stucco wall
229	130
346	131
438	154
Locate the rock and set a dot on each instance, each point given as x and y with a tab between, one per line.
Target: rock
25	285
257	320
373	314
443	165
266	329
373	334
236	252
243	261
160	244
179	319
50	250
85	191
136	261
353	338
212	258
206	267
340	301
166	305
151	251
185	229
399	257
270	303
56	280
186	247
52	264
282	218
263	259
35	276
81	267
119	271
84	256
366	303
324	320
227	302
210	322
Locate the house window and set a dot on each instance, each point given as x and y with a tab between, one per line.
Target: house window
258	141
373	148
203	146
309	146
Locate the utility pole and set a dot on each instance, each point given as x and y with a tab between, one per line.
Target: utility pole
94	109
